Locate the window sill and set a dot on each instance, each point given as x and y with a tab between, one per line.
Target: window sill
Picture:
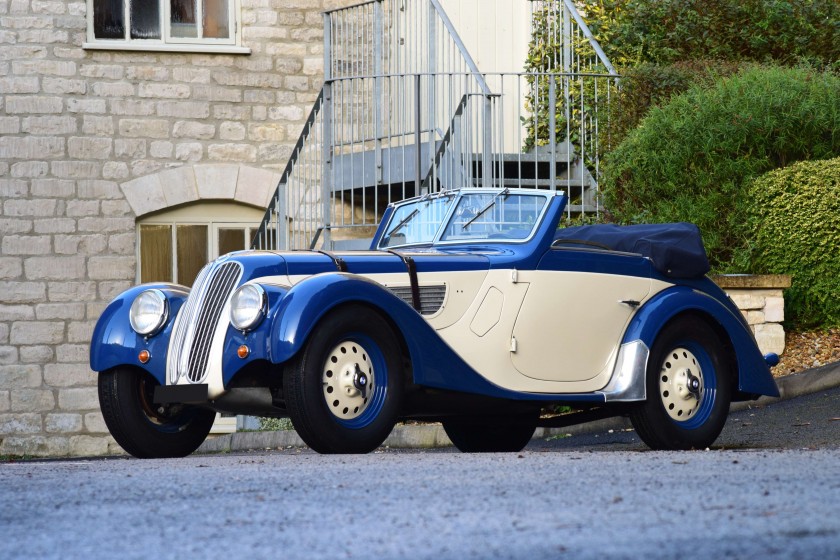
192	48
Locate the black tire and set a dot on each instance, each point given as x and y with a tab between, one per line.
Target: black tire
357	343
490	435
674	417
146	430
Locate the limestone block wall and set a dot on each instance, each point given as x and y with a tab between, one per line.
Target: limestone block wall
90	140
761	300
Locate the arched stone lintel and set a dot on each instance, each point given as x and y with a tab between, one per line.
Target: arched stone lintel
173	187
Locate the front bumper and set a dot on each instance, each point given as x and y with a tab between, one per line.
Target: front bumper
184	394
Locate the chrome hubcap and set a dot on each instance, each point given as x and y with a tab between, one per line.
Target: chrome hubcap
681	384
348	380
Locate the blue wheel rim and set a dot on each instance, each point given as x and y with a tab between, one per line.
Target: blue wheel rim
708	395
379	380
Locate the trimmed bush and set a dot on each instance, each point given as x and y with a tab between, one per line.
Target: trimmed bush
793	229
665	31
693	159
649	85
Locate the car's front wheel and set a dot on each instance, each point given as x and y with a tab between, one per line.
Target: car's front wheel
688	388
142	428
490	434
343	390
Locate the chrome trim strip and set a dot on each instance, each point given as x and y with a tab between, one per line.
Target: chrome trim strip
627	383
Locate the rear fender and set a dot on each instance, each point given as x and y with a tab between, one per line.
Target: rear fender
754	377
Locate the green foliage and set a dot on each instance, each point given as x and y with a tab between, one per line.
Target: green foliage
793	229
633	32
275	424
693	159
653	85
545	71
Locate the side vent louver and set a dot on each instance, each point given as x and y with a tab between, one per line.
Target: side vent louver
431	297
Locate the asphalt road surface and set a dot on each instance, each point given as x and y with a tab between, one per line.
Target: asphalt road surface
770	488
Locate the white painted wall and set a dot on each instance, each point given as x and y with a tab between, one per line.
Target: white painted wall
495	32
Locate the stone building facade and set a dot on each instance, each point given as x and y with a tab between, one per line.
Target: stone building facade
91	141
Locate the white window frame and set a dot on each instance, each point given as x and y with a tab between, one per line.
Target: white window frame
167	43
214	215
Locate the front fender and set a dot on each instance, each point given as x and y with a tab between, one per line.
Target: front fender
114	343
310	300
754	376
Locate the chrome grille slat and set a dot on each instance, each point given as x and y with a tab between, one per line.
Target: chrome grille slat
220	286
431	297
196	324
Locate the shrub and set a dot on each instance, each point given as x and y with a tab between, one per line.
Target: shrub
792	227
653	85
666	31
692	160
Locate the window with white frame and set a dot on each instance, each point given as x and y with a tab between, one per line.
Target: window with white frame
171	25
173	246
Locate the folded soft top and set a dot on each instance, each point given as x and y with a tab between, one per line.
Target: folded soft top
676	249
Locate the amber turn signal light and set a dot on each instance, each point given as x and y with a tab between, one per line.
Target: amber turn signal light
243	351
144	356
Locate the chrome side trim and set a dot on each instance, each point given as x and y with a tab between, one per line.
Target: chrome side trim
627	383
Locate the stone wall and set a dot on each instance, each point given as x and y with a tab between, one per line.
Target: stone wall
81	129
761	300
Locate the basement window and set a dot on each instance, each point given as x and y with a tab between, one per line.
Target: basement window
164	25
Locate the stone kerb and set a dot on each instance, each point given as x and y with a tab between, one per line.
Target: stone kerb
761	300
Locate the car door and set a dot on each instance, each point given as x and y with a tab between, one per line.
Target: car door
573	317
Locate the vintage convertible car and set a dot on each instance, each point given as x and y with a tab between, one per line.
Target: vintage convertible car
471	308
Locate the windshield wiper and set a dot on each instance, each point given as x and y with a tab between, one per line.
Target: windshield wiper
488	206
402	224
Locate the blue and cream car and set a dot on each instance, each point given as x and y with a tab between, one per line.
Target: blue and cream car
471	308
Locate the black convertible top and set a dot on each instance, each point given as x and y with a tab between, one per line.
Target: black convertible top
676	249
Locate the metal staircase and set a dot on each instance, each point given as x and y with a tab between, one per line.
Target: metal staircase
404	110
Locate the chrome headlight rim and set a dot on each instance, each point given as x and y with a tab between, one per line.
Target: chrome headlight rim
154	321
248	307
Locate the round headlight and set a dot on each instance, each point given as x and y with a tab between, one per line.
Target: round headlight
149	312
247	307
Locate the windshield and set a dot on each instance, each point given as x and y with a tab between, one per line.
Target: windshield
477	216
417	222
494	216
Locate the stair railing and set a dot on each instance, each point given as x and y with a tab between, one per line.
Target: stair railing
404	110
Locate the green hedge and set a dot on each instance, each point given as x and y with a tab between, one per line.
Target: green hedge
653	85
794	228
665	31
693	159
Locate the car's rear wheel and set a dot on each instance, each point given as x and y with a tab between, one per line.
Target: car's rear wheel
688	388
343	390
490	434
142	428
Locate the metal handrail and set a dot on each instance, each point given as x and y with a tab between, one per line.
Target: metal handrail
463	49
570	5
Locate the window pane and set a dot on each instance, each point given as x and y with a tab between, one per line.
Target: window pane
145	19
183	22
155	253
108	19
192	252
230	240
216	19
